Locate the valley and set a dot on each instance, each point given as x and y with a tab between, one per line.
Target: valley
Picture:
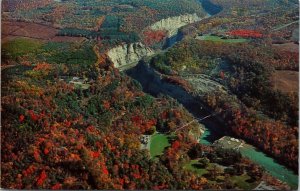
149	95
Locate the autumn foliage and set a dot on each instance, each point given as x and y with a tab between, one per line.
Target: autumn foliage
58	135
24	5
42	67
151	37
246	33
178	81
272	136
41	178
63	148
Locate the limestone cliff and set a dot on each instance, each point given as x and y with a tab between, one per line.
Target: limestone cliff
172	24
128	54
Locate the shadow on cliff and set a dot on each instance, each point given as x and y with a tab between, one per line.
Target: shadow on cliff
210	7
153	84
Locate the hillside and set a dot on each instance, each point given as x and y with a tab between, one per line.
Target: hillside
252	56
110	22
131	94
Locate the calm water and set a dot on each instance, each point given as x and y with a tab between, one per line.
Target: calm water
269	164
274	168
153	85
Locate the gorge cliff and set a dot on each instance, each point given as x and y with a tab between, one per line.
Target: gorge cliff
172	24
128	54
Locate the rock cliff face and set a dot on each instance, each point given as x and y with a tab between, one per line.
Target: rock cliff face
128	54
172	24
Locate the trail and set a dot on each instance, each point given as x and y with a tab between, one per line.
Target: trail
153	83
198	120
7	66
97	52
284	26
187	124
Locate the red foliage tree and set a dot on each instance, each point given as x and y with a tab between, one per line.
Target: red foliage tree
57	186
246	33
21	118
41	178
176	145
151	37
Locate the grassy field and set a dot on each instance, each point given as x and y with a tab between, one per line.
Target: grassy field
20	47
75	57
219	39
190	166
240	181
158	143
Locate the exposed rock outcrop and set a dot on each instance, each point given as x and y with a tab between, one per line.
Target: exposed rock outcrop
172	24
128	54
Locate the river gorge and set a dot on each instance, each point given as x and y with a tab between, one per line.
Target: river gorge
154	84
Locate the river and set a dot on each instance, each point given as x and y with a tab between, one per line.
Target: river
153	84
269	164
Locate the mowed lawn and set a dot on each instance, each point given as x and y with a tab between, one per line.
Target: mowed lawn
158	143
190	166
219	39
241	181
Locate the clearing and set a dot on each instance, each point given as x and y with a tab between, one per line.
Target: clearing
158	143
20	47
12	29
242	181
191	167
289	47
285	80
220	39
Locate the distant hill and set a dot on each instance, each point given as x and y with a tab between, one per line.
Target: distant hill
13	5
